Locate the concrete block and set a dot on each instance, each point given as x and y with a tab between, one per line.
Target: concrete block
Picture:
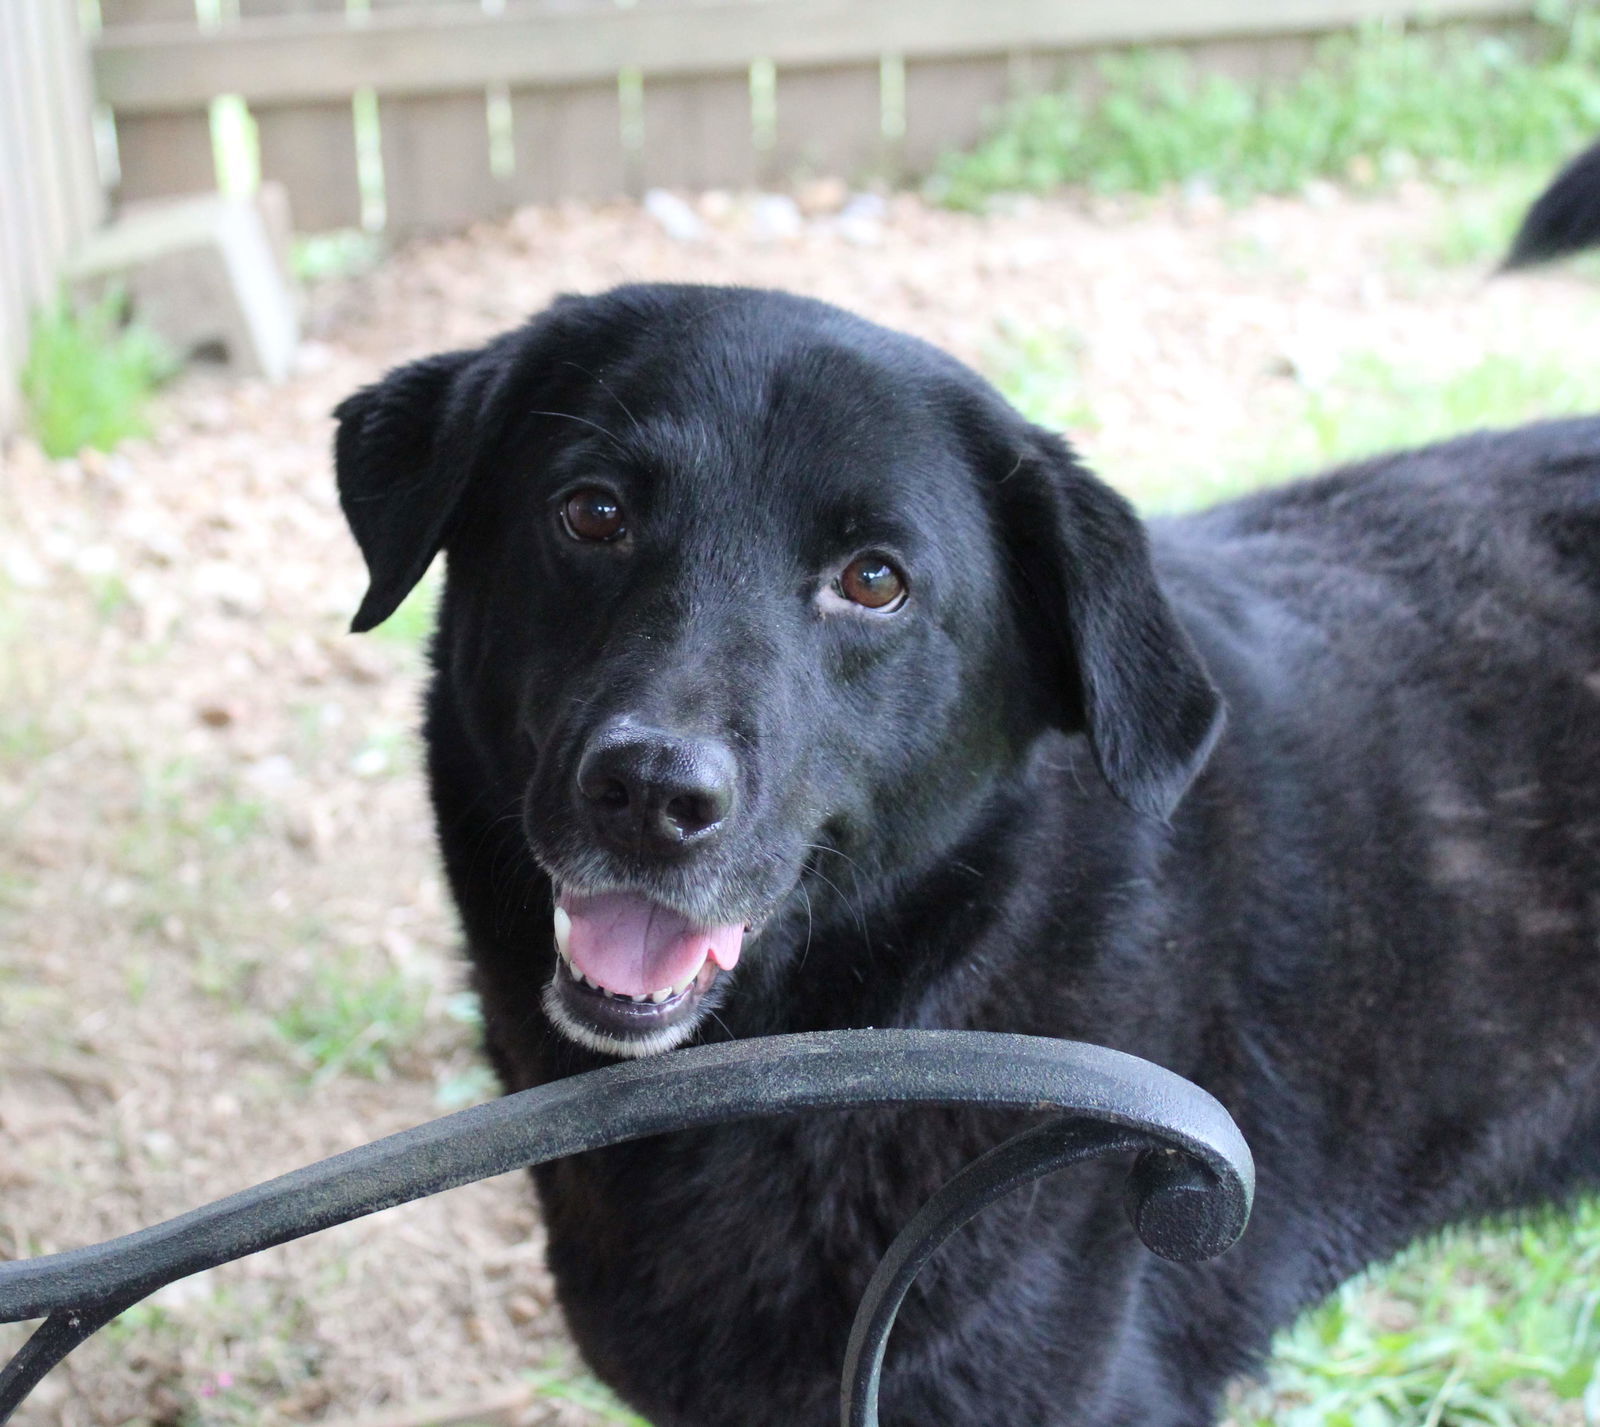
208	274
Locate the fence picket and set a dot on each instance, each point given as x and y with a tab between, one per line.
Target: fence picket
68	58
568	142
698	133
830	121
310	148
165	151
32	225
568	137
436	168
947	103
50	144
696	129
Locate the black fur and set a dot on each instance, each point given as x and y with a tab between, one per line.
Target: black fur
1365	914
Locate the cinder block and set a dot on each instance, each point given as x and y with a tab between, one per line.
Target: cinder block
207	274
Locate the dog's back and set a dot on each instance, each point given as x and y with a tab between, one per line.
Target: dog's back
1411	648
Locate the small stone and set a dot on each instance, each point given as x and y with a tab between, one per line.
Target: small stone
370	763
860	232
675	217
862	219
270	774
1319	193
522	1308
866	205
95	561
822	196
186	1292
776	215
236	589
716	205
24	570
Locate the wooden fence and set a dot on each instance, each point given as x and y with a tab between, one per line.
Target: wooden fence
49	183
443	111
431	113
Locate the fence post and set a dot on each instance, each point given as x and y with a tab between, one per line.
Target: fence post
49	179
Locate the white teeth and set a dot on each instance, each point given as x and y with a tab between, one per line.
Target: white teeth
574	972
664	994
595	984
563	925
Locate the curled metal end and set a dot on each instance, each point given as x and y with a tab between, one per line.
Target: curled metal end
1185	1204
1181	1209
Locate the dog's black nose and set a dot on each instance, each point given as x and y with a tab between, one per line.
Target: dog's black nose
644	789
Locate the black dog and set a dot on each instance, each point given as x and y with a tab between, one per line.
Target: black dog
787	679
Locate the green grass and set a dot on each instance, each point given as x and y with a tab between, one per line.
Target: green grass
1478	227
319	257
559	1384
1367	406
1372	405
1376	106
1041	373
412	623
350	1021
89	376
1480	1327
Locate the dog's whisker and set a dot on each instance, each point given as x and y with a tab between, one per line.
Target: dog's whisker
605	386
584	421
805	951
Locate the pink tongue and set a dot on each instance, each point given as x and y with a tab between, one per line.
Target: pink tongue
633	946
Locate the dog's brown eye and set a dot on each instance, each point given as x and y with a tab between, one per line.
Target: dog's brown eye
593	515
871	581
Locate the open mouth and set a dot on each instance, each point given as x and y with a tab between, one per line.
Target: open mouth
631	974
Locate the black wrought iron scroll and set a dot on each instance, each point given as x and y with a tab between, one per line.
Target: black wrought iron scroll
1188	1193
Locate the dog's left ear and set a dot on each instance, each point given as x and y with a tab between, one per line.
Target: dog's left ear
403	468
1123	666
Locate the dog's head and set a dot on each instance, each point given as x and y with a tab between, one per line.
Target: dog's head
737	582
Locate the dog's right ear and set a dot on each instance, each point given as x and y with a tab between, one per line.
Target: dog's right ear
1124	670
401	473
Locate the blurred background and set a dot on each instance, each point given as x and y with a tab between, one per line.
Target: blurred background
1217	242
